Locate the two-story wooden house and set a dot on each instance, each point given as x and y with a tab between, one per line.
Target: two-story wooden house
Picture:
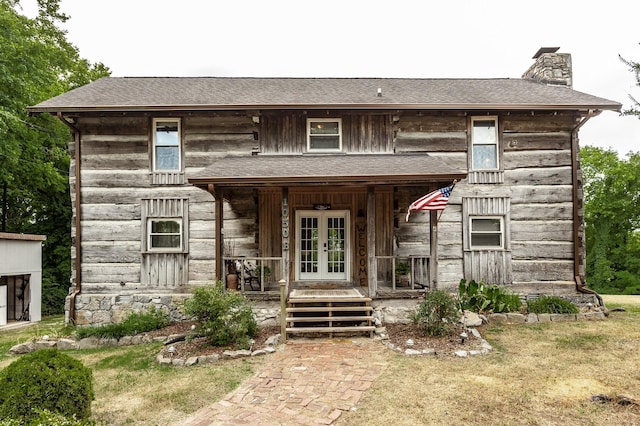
173	180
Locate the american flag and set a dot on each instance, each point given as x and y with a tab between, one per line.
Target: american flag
436	200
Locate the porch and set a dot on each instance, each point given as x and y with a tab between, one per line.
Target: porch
397	276
326	222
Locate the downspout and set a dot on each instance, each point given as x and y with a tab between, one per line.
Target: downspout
78	233
577	219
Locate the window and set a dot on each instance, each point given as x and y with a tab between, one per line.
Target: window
484	142
165	234
486	232
166	144
324	134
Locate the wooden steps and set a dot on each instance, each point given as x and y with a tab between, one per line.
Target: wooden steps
329	312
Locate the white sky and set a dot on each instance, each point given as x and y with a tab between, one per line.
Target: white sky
370	38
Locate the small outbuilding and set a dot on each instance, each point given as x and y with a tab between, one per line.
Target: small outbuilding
20	277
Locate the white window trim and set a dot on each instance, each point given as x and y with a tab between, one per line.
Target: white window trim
180	233
497	142
326	120
153	149
472	232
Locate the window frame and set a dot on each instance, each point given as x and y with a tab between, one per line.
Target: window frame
154	165
501	232
310	136
151	234
496	142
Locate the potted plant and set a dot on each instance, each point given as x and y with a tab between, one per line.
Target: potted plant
230	265
263	269
402	273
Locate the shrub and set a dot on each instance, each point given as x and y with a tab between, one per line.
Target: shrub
45	380
48	418
551	305
136	322
224	317
436	313
479	297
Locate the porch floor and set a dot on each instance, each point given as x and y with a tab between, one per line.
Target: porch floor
324	293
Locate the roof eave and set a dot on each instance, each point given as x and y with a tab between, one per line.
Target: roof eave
390	106
320	180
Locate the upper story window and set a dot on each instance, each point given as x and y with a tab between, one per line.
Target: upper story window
486	233
324	134
166	144
484	142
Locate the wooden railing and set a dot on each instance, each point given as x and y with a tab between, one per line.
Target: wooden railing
418	272
257	273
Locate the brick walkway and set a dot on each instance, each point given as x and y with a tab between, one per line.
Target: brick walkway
306	382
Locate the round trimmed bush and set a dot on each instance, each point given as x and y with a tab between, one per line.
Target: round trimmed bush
224	317
45	380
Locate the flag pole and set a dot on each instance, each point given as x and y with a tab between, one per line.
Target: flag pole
442	211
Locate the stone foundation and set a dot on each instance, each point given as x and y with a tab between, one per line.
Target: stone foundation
95	310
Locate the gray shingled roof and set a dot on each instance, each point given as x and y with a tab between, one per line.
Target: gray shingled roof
335	169
208	93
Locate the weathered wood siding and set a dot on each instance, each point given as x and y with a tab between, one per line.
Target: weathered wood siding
535	177
534	183
362	133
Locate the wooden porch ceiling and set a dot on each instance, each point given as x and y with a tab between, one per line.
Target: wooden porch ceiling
341	169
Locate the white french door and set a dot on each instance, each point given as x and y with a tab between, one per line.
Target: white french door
322	245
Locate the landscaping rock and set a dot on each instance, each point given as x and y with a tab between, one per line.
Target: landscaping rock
67	344
89	343
470	319
515	318
208	359
22	348
532	318
497	318
44	344
273	340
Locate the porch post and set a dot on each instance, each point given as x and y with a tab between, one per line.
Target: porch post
217	194
433	243
286	226
371	242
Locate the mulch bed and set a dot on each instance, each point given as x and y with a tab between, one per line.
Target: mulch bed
398	334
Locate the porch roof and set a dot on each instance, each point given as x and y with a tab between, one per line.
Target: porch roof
343	169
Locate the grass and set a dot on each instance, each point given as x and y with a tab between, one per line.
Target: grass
131	388
538	374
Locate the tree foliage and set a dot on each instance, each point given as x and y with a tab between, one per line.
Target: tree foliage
634	67
36	63
612	219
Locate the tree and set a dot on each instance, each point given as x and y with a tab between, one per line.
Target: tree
612	218
36	63
634	67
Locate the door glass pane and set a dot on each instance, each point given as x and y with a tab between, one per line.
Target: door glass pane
309	245
335	245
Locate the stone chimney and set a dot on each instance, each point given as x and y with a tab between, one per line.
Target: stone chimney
551	67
